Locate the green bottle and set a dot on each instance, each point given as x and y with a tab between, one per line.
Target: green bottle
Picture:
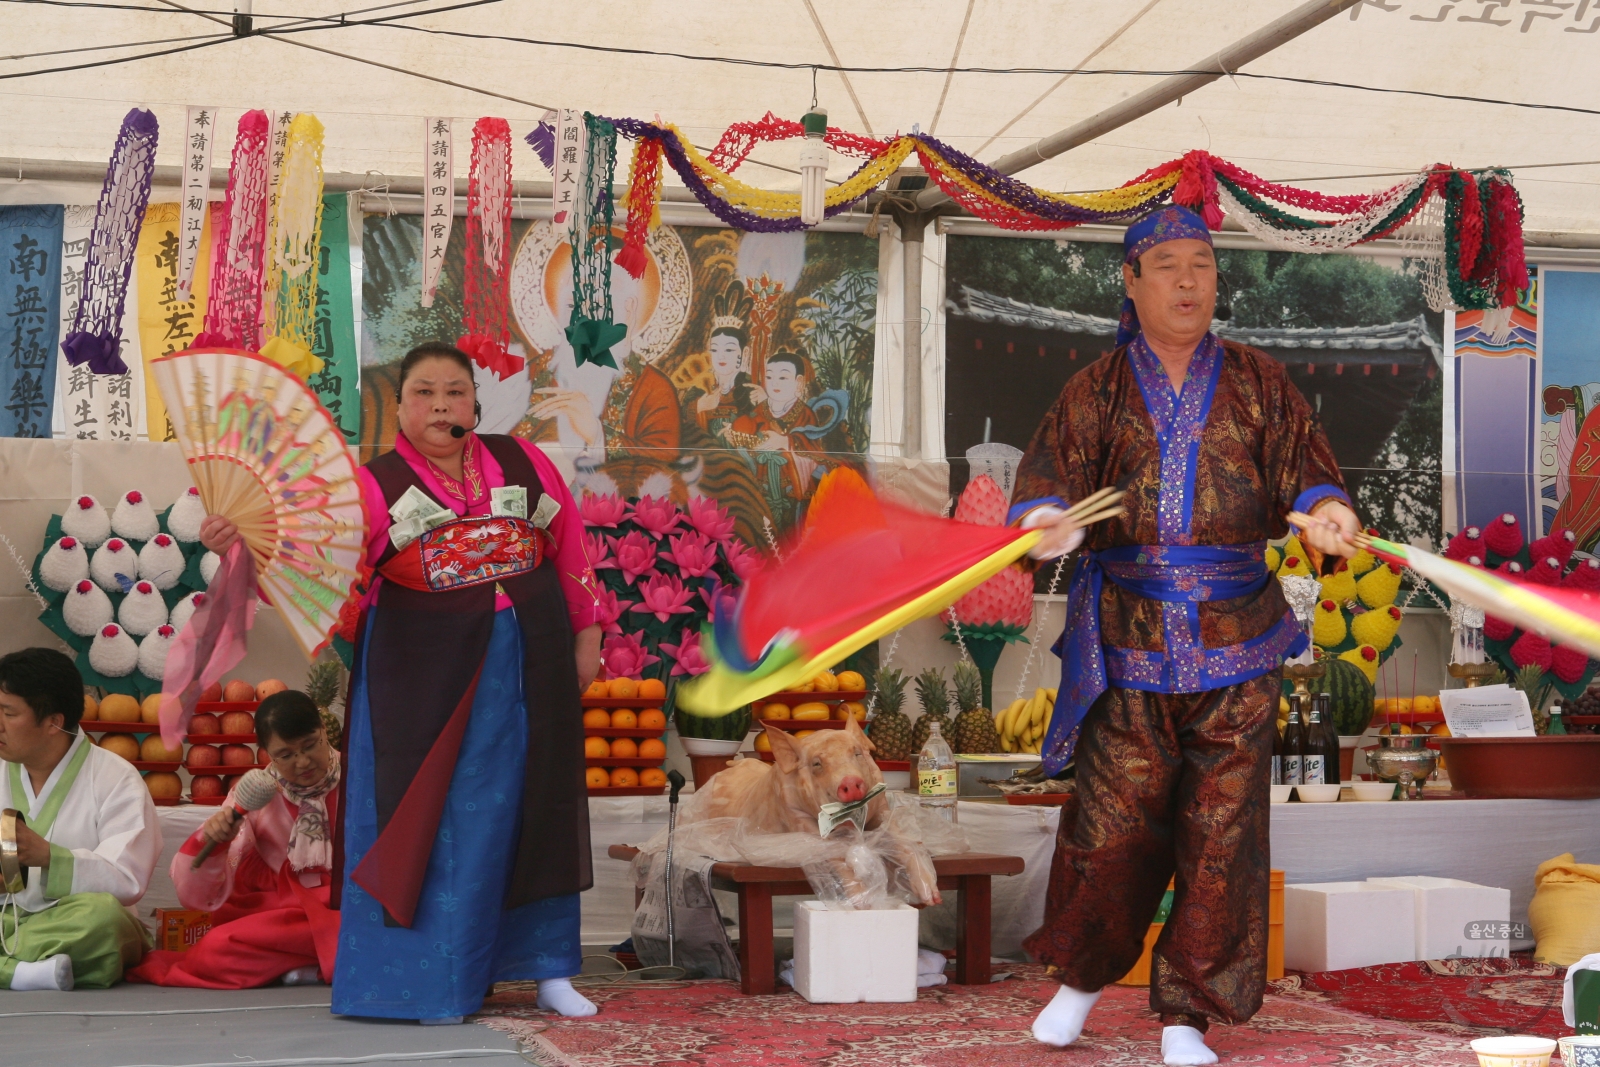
1556	725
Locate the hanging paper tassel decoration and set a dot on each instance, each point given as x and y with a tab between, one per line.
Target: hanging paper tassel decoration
96	335
591	331
233	313
486	317
199	138
543	140
297	237
813	167
438	202
277	150
566	166
643	205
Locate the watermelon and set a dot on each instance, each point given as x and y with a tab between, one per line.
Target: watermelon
731	726
1351	693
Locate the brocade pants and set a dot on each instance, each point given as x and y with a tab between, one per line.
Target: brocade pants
1169	785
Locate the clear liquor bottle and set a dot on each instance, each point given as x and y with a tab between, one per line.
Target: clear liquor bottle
936	775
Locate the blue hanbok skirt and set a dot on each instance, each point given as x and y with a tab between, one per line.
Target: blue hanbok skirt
461	939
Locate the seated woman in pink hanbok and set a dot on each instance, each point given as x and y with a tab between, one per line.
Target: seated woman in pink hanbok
266	882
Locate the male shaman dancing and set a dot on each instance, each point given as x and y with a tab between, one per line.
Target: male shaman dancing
1174	641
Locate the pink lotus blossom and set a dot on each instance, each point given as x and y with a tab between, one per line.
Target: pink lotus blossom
598	551
600	510
636	555
664	596
692	553
624	656
710	519
608	609
655	515
688	657
745	561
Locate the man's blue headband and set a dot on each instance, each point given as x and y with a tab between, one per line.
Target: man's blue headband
1170	223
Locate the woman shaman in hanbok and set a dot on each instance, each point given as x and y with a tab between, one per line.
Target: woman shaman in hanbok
465	816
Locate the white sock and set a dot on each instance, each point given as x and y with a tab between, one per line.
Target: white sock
307	975
557	995
1184	1046
448	1020
54	973
1062	1019
930	962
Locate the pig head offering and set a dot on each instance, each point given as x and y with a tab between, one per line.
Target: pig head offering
786	795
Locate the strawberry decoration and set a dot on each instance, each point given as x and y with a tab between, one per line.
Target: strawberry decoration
1468	542
1504	535
1568	664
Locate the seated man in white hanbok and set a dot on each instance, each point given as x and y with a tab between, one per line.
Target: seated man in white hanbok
90	839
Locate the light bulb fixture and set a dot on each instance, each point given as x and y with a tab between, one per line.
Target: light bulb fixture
813	166
243	24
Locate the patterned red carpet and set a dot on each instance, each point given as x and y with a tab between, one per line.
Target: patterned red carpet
708	1024
1470	998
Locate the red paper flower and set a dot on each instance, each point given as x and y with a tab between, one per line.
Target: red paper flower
664	596
745	561
655	515
1504	535
1568	664
706	516
624	656
687	655
636	555
607	510
608	609
692	553
596	546
1531	650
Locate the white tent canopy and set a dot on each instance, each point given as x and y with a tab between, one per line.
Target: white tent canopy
1516	50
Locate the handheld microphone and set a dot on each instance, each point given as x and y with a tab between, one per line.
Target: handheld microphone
675	778
458	432
254	792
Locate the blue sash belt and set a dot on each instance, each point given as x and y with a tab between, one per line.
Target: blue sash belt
1180	577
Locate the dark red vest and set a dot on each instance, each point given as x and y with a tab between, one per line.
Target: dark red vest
424	654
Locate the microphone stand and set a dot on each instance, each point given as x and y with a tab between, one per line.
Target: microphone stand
676	780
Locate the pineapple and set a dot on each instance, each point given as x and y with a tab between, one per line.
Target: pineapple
935	707
324	681
973	730
890	730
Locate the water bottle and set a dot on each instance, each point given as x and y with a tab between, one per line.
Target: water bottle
936	775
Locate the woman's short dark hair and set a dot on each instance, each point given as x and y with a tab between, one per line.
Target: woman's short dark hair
288	716
434	350
47	681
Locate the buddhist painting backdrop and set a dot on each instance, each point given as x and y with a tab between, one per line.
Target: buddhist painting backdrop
745	374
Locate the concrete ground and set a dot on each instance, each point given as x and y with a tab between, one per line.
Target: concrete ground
147	1026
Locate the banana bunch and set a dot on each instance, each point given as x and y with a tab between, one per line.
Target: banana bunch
1022	725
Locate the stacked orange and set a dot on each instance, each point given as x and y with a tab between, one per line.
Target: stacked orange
601	746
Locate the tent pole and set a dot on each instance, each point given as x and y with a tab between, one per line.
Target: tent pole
911	232
1206	71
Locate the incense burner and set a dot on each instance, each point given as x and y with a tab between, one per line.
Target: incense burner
1403	758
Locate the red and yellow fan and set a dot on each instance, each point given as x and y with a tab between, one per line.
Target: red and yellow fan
266	454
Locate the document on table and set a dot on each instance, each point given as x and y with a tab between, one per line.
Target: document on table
1487	711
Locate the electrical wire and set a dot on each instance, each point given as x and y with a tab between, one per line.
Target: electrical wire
107	47
163	1011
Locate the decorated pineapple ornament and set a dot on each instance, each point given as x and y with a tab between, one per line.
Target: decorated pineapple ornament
86	520
935	698
134	518
161	561
973	730
142	610
153	652
1000	610
187	513
1365	657
114	566
1294	561
1340	586
86	609
889	729
1377	627
113	653
65	564
1328	627
184	609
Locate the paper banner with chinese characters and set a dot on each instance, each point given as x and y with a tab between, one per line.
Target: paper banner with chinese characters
569	165
438	202
198	141
94	407
277	149
30	317
338	383
166	323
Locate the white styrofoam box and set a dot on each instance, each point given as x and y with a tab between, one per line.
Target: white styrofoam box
847	957
1332	926
1456	918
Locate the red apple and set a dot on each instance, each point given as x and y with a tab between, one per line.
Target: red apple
211	693
205	723
204	756
237	691
268	688
238	722
238	756
206	786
